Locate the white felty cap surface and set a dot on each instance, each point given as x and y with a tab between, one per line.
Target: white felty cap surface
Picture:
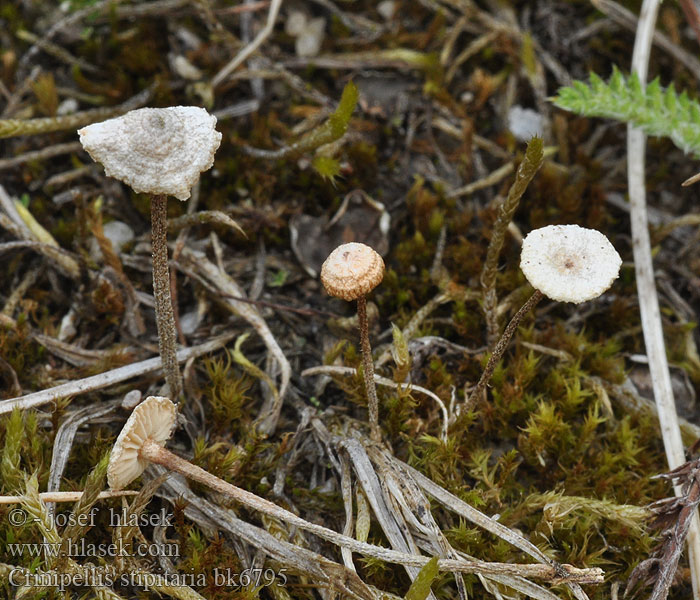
155	150
569	263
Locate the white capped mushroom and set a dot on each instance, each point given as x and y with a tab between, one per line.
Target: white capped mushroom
566	263
161	152
155	150
569	263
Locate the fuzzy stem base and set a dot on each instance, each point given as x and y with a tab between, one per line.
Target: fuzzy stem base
502	344
368	370
165	319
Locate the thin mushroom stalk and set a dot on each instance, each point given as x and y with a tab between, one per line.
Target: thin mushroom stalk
142	440
501	346
350	272
368	369
165	317
566	263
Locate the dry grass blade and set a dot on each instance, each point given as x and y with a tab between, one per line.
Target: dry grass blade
109	378
646	285
212	518
478	518
215	217
392	524
198	266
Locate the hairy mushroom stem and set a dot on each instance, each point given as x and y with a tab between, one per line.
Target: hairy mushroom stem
350	272
368	370
566	263
165	318
502	344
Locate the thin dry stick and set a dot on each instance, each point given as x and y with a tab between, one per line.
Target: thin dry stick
501	346
252	47
43	154
165	319
14	127
66	496
349	371
155	453
646	287
109	378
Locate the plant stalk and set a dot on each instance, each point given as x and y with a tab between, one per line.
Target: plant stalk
502	344
156	453
646	288
165	319
66	496
368	370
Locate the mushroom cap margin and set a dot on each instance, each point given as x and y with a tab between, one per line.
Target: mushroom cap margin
153	419
569	263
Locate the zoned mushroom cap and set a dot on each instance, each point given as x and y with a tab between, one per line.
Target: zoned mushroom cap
352	270
155	150
153	419
569	263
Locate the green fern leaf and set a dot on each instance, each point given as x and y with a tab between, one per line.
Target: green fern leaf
657	111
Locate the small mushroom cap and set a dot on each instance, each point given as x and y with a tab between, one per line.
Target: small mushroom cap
153	419
352	270
155	150
569	263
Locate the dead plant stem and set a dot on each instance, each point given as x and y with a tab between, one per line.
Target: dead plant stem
157	454
646	285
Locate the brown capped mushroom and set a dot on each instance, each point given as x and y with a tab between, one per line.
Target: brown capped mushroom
351	271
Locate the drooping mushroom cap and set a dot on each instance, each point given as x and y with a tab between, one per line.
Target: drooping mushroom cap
569	263
352	270
153	419
155	150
